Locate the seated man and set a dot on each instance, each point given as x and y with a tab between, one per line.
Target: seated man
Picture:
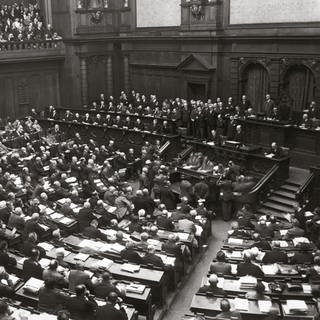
104	286
259	293
247	268
275	255
221	266
212	287
304	256
6	285
113	309
264	230
152	259
77	276
275	151
130	254
259	243
93	232
226	312
295	230
32	267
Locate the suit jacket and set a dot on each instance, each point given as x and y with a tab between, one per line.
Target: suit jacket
32	268
268	107
153	259
213	290
168	198
249	269
221	267
165	223
102	289
51	300
111	313
131	256
302	257
84	218
81	308
274	256
77	277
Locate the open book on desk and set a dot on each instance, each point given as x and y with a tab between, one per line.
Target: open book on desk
241	304
81	257
104	263
46	246
135	288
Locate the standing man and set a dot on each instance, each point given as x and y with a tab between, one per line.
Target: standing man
268	105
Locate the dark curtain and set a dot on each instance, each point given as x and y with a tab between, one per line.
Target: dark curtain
300	85
256	86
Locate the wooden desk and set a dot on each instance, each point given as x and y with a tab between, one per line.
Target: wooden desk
124	139
311	314
32	300
210	306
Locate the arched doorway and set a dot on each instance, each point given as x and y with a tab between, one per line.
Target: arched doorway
299	84
255	84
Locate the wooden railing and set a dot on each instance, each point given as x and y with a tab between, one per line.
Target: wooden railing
31	45
305	193
265	185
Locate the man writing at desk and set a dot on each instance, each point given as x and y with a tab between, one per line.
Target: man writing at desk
275	152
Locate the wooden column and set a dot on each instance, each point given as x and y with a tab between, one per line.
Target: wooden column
126	73
84	81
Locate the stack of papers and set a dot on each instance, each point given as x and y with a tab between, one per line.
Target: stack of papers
105	263
46	246
44	263
81	256
49	211
270	269
248	282
283	232
235	241
56	216
297	241
241	304
297	305
66	221
183	236
135	288
130	267
34	284
169	261
116	247
13	278
236	254
153	242
265	306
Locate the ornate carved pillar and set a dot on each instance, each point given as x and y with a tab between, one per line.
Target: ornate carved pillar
84	80
109	75
126	73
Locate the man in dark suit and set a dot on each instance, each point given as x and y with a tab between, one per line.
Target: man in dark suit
32	267
167	197
85	216
32	225
304	256
245	104
247	268
226	193
265	231
104	286
152	259
275	255
109	311
212	287
239	136
82	305
268	105
93	232
171	246
275	150
221	266
259	243
164	222
130	254
77	276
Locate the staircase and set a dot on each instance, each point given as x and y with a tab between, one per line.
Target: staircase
282	201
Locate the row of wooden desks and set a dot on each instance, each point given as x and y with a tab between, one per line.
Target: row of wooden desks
31	299
124	138
210	306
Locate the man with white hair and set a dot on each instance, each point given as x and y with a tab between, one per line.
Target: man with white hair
151	258
85	216
32	225
16	219
212	287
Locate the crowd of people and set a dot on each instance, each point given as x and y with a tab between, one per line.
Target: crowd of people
19	23
35	176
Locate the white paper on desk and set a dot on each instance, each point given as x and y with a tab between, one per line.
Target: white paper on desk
34	283
248	280
117	247
44	227
44	263
56	216
199	230
130	267
109	232
297	305
21	261
220	282
270	155
81	256
105	263
298	240
76	209
136	288
236	254
89	273
241	304
100	303
66	220
183	236
235	241
73	205
306	288
111	209
13	278
49	211
153	242
42	207
264	306
270	269
85	243
283	232
234	268
46	246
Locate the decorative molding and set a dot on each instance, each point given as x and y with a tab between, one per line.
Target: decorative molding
312	63
255	60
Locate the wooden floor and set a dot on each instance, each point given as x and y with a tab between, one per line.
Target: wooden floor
182	301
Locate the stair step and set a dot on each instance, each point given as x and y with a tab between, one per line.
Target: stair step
270	212
292	183
283	201
289	188
285	194
278	207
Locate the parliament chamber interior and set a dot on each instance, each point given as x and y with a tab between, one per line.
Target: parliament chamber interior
159	159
